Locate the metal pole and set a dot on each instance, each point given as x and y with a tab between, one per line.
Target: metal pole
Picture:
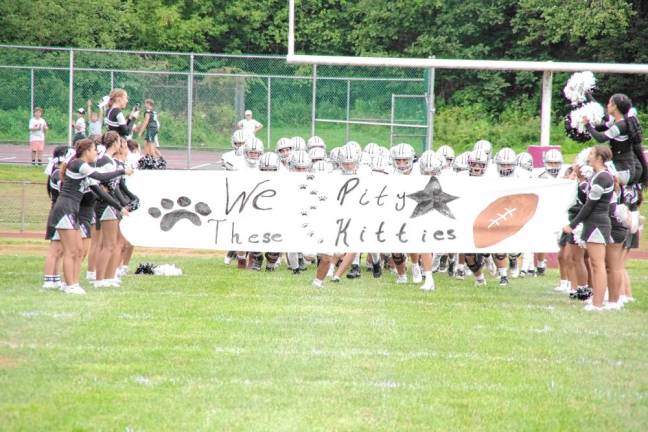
71	98
269	120
189	108
391	121
291	27
22	208
112	80
31	104
430	111
348	111
314	101
545	119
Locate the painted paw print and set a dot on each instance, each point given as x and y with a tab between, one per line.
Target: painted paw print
310	177
305	225
304	213
311	234
322	198
313	207
313	192
302	187
172	217
320	241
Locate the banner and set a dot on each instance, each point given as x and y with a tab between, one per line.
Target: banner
332	213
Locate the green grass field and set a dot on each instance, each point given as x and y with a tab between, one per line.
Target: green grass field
223	349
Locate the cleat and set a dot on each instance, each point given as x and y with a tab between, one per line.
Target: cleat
428	285
402	279
541	271
296	271
335	279
460	274
480	283
444	264
354	273
451	268
269	268
503	281
376	270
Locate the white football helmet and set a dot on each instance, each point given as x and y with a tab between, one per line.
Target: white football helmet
333	157
477	162
525	161
372	149
382	164
485	146
317	154
356	146
320	166
505	160
284	147
446	154
299	143
269	162
349	158
315	141
430	164
553	160
402	156
460	163
252	151
239	138
365	159
300	161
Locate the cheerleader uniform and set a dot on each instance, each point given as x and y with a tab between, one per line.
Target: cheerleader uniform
53	189
619	230
107	208
632	198
65	213
116	121
581	198
595	213
624	154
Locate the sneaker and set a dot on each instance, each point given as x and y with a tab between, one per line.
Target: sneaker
296	271
317	283
100	283
123	270
256	265
302	264
515	272
402	279
229	256
612	306
541	271
269	268
51	285
480	282
562	289
74	289
531	273
354	273
625	299
91	276
522	274
504	281
460	274
428	285
417	276
376	270
112	283
592	308
451	268
335	279
443	265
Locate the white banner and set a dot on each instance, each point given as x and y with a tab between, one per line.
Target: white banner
329	213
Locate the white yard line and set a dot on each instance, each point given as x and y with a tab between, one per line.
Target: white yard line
200	166
7	158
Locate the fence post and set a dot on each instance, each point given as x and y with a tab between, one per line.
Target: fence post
269	114
391	120
71	98
348	111
314	101
545	118
430	111
31	103
22	207
189	108
112	80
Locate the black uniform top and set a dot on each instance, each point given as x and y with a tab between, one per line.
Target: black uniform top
53	185
77	179
581	198
597	206
116	121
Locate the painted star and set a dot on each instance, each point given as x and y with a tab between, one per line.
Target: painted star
432	198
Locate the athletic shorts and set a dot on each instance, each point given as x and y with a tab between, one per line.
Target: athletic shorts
37	146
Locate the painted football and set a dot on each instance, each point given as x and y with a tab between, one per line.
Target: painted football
503	218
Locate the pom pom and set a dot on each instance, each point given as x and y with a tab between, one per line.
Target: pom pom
578	233
167	270
145	268
579	86
151	163
582	293
574	125
133	205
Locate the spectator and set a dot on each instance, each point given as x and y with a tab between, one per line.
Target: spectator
79	126
149	128
249	125
37	128
96	120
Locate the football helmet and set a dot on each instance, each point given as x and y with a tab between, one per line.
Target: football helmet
446	154
315	141
553	160
356	146
333	157
372	149
477	162
382	164
320	166
317	154
252	151
460	163
239	138
284	147
505	160
269	161
300	161
430	164
402	156
299	143
485	146
348	158
525	161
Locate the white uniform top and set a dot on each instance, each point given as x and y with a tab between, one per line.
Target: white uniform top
38	134
94	127
80	125
232	161
249	126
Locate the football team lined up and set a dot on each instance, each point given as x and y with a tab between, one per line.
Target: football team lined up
298	155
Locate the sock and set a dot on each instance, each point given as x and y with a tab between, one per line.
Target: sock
356	260
502	271
428	275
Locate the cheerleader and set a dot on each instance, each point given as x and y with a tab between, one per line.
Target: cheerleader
64	217
51	276
595	218
623	132
115	119
619	216
576	260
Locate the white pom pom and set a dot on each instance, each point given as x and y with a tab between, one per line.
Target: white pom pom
167	270
578	85
577	233
593	111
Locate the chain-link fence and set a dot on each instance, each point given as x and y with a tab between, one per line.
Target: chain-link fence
200	97
25	206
